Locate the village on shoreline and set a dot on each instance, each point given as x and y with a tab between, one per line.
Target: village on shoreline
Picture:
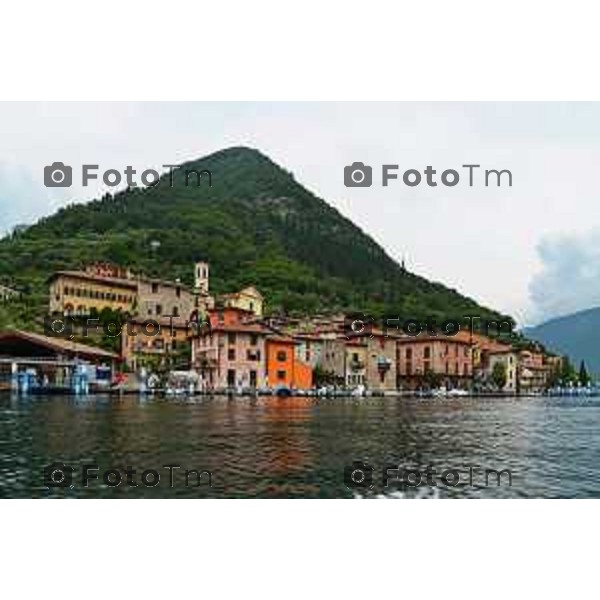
240	349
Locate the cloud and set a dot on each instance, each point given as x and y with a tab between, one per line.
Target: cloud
570	277
22	199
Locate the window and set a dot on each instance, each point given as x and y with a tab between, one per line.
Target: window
159	309
231	377
252	306
253	339
155	288
178	292
382	376
252	354
231	338
427	352
175	311
252	378
281	375
231	354
409	368
409	353
355	356
282	356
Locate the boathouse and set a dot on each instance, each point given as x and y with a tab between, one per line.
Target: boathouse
30	362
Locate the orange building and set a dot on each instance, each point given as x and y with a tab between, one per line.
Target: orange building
283	368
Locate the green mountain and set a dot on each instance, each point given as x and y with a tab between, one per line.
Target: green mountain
255	225
575	335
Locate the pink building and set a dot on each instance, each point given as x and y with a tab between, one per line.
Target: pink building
426	360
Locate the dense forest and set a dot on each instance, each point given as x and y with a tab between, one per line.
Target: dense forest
255	225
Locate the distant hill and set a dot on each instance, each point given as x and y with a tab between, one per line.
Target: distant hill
576	335
255	225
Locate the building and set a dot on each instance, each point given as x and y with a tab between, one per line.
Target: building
7	294
150	341
534	372
237	352
82	292
432	361
371	361
102	286
249	299
324	352
30	360
509	359
284	369
356	363
231	353
158	298
381	365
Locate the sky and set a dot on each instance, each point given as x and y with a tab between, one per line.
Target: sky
530	250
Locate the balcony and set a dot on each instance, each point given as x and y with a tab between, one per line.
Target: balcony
383	363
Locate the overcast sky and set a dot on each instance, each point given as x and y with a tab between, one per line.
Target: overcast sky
531	250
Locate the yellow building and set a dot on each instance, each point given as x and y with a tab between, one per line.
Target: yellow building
249	299
77	292
103	286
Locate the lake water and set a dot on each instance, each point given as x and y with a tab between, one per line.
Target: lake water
303	447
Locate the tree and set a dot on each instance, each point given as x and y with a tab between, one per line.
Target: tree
499	375
323	377
584	378
567	372
432	380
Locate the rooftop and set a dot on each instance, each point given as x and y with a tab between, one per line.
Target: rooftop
54	344
131	282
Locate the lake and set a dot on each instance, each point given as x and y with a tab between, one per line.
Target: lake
300	447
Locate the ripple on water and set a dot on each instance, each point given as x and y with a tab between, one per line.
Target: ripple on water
299	447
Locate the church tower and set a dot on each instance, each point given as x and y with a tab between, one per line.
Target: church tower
201	277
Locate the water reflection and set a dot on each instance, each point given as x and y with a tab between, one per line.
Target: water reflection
298	447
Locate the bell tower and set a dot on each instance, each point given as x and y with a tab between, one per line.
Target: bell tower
201	275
